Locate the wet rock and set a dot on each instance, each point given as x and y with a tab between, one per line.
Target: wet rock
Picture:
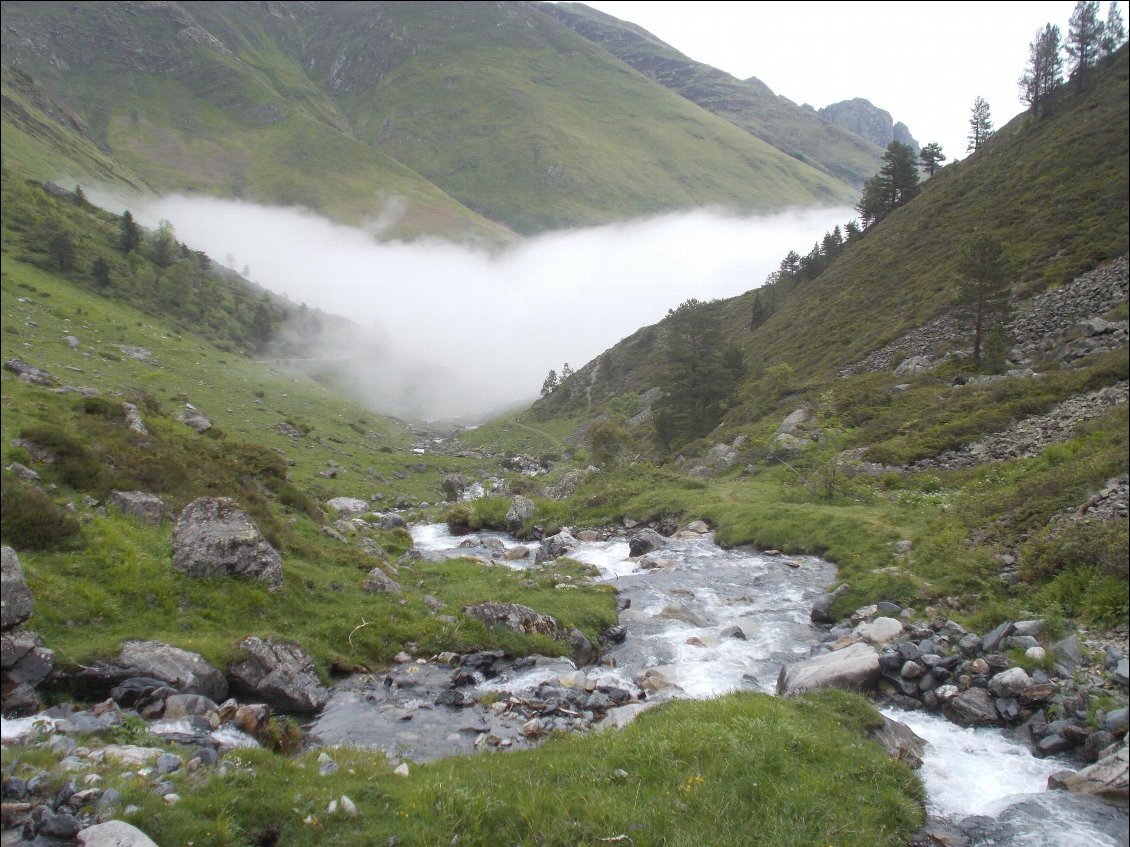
186	672
645	541
821	607
281	675
15	599
900	741
146	507
555	546
973	707
391	521
855	668
188	705
214	537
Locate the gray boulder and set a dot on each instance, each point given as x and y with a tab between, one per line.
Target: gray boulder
138	504
15	596
645	541
281	675
1106	778
348	507
521	510
187	672
1010	683
793	422
855	668
114	834
378	581
900	741
556	545
566	487
879	631
822	606
972	707
214	537
192	417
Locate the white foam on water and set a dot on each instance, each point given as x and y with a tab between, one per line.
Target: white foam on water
19	730
970	771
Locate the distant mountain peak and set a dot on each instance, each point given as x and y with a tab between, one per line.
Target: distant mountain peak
868	121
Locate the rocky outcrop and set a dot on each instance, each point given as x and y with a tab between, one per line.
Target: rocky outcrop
348	507
645	541
281	675
182	670
1107	778
15	596
869	122
855	668
214	537
193	418
141	505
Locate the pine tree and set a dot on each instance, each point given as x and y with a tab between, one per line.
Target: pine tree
986	287
1084	38
894	185
1044	71
550	383
100	270
131	233
1114	31
931	156
980	125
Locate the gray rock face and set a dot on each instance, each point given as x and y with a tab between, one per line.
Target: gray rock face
521	510
879	631
281	675
900	741
855	668
565	487
973	707
114	834
556	545
187	672
133	419
138	504
1010	683
821	607
868	121
15	596
214	537
377	581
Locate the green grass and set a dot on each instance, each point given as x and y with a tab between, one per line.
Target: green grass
795	773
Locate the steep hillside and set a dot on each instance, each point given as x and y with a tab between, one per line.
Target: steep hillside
1054	192
747	103
362	109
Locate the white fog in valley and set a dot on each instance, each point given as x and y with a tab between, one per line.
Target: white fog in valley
451	331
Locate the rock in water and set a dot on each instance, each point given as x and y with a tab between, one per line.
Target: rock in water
973	707
855	668
281	675
187	672
214	537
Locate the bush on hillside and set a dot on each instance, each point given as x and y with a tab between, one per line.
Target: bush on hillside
29	520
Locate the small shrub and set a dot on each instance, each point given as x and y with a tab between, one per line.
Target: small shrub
458	517
76	466
29	520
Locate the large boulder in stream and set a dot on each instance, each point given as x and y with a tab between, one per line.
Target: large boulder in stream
183	671
1107	778
855	668
214	537
972	707
281	675
521	510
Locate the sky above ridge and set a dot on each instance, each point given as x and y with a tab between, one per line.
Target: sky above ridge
925	63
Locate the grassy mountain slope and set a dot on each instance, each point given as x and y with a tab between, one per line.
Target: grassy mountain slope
749	103
1054	192
344	106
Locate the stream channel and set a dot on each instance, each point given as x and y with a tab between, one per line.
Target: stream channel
683	603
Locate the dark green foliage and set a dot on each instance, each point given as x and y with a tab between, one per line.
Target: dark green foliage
607	440
1098	544
1044	71
1084	38
29	520
982	266
980	125
129	237
895	185
932	157
701	373
100	272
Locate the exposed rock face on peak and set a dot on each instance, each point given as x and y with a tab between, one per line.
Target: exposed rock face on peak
868	121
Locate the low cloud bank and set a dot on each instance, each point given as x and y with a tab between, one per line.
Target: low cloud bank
465	332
